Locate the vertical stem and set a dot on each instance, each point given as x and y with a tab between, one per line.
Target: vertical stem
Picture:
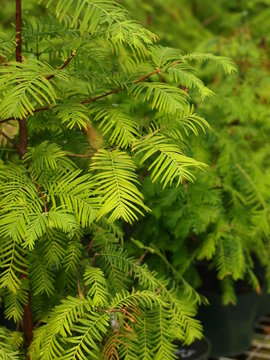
27	316
19	30
23	138
28	322
22	122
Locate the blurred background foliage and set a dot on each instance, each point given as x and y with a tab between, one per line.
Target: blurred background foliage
224	216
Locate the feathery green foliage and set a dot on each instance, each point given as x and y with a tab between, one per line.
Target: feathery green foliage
95	104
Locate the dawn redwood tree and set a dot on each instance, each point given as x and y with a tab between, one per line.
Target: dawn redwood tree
95	106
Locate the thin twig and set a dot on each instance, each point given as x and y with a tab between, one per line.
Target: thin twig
90	100
186	189
139	260
3	60
78	283
79	155
8	138
65	64
87	101
43	198
145	77
90	245
94	259
123	310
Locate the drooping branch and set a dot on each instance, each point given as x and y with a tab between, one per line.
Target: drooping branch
65	64
115	91
93	99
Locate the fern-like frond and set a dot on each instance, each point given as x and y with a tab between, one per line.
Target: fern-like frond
60	321
96	285
181	73
164	97
73	115
169	163
227	64
116	181
8	351
106	15
6	46
14	302
53	246
183	123
74	192
89	332
185	327
162	55
163	336
229	258
41	278
47	157
120	128
12	265
95	325
228	291
35	29
73	254
25	85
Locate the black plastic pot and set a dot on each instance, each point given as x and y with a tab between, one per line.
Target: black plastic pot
263	303
229	328
198	350
264	297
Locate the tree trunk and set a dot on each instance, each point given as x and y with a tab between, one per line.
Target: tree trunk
22	123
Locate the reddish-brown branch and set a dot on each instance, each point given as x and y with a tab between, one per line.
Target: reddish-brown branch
90	245
79	155
115	91
3	60
65	64
139	260
23	138
19	30
90	100
43	198
78	284
145	77
28	322
87	101
6	120
142	257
